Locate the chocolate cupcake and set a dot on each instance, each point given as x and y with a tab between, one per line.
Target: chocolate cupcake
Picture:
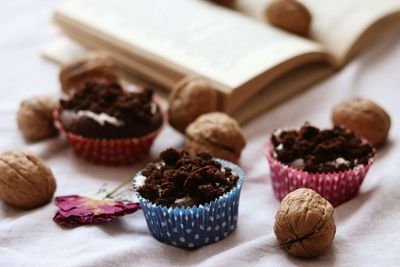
332	162
109	125
189	201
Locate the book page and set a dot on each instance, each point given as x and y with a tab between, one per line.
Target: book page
285	87
62	50
193	36
253	8
337	24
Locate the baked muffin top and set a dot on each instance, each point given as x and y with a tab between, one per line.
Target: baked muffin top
100	110
179	179
313	150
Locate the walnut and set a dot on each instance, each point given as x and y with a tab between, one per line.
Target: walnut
228	3
304	224
364	117
217	134
96	67
289	15
190	98
35	118
25	181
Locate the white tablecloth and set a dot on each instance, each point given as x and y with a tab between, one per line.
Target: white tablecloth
367	227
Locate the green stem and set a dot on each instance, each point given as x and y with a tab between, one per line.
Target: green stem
115	190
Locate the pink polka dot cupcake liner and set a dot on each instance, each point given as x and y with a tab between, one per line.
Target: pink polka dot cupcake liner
336	187
111	152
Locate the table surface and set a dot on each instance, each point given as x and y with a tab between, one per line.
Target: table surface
367	226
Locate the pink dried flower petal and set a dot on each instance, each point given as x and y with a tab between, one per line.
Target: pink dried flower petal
77	210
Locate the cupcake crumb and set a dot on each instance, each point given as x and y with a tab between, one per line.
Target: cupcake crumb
184	180
109	111
313	150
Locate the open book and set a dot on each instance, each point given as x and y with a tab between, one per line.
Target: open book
253	64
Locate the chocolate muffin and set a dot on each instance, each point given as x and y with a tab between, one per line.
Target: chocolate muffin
189	200
107	111
182	180
333	162
320	151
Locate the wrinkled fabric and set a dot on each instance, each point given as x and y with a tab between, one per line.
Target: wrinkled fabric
367	226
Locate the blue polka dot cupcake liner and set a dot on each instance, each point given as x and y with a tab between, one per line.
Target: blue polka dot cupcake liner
196	226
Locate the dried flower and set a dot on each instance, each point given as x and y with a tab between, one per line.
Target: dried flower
78	210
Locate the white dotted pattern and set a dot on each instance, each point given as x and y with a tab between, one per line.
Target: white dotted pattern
195	226
337	188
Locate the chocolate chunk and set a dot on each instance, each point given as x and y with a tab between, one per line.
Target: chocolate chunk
208	191
185	180
308	132
136	110
170	156
321	149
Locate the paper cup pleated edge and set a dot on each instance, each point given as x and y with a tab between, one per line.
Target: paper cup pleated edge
108	151
192	227
336	187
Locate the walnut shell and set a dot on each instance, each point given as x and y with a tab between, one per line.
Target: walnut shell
365	118
216	133
25	181
96	67
190	98
35	118
228	3
289	15
304	224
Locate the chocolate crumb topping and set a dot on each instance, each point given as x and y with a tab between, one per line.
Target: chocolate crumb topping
183	180
111	99
313	150
136	112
